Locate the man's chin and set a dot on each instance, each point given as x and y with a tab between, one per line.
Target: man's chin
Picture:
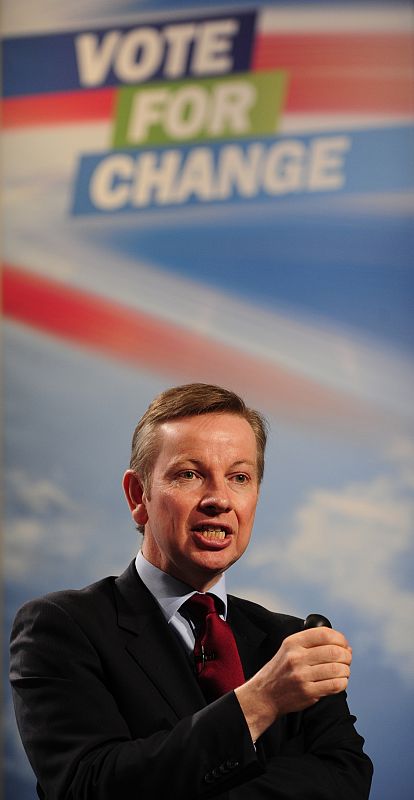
212	563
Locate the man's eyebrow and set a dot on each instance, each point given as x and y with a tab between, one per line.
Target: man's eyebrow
243	461
197	463
177	461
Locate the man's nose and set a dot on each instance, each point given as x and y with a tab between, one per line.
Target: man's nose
216	498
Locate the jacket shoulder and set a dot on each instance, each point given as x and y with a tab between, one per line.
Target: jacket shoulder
263	618
93	601
67	597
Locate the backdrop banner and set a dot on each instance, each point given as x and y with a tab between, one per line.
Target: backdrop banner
224	194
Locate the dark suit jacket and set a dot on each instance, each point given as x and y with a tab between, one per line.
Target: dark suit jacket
109	708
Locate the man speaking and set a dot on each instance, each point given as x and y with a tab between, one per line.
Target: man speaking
159	684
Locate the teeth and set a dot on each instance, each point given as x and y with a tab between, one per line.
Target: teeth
213	533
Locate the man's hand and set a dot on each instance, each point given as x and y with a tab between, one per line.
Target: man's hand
309	665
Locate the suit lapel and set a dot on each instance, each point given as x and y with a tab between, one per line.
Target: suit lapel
249	639
153	645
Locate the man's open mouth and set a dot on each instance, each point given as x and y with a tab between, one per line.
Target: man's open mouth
212	533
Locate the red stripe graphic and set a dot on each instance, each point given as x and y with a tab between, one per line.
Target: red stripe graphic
342	94
329	73
132	336
342	73
93	105
330	51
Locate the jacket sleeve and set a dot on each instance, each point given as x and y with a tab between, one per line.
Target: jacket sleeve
323	760
78	742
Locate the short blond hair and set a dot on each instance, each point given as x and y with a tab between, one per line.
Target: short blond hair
190	400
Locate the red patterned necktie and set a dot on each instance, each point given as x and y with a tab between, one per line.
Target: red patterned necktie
218	665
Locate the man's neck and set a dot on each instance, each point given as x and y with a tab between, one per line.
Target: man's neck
200	583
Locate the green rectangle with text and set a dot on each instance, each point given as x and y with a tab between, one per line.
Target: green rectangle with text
211	109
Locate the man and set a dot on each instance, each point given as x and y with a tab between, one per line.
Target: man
110	699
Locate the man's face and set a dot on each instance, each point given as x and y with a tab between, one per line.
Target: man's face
202	501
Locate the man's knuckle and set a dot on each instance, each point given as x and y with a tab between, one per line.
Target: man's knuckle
334	652
296	676
292	659
338	685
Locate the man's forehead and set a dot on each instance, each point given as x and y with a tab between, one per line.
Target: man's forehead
206	432
226	424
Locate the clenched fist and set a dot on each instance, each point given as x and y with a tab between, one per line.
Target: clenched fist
309	665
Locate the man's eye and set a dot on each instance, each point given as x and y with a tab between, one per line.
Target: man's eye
240	478
188	474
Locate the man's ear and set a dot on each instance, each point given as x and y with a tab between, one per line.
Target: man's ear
135	495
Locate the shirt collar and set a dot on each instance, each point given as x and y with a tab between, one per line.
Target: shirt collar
169	592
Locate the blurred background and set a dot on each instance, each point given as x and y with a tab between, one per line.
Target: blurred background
221	193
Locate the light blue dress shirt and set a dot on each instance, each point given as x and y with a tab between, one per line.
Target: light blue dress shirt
170	594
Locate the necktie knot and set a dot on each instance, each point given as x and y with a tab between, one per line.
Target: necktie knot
200	605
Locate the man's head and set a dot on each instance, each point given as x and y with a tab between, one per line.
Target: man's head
196	464
189	400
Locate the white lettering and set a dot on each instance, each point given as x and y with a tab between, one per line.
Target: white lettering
283	169
212	47
191	110
146	110
110	184
196	177
179	38
174	177
140	55
239	171
135	56
153	178
94	59
326	162
230	107
186	112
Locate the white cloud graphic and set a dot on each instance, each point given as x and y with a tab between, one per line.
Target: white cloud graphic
57	539
43	523
352	543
